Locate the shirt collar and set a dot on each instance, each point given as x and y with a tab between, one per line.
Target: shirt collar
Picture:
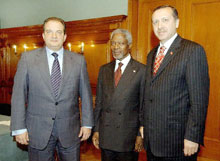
169	42
59	52
124	61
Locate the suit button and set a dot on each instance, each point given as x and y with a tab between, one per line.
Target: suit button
56	103
151	100
118	126
53	118
119	113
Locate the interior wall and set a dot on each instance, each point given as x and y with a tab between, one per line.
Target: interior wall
15	13
87	37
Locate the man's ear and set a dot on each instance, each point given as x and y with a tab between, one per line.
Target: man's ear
65	36
43	35
177	23
130	46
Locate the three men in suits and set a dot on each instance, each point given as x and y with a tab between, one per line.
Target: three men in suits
176	92
119	102
45	100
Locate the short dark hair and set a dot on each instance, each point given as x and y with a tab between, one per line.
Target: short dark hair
55	19
175	12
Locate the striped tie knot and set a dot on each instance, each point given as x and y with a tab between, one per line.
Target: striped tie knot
55	55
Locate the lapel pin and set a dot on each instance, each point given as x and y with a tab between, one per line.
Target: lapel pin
134	71
171	53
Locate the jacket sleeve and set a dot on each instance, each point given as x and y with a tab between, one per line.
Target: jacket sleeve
142	89
86	97
197	78
98	101
19	95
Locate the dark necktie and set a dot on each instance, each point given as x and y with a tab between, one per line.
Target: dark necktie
118	74
55	75
159	59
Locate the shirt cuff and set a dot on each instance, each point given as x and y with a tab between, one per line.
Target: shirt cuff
18	132
89	127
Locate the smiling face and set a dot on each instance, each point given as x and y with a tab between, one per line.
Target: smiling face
164	24
119	46
54	35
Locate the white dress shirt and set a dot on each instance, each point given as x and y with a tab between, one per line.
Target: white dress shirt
125	62
167	44
50	59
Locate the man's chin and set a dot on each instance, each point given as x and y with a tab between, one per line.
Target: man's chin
117	56
55	48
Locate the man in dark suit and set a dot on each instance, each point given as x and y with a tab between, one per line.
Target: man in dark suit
118	100
176	92
45	101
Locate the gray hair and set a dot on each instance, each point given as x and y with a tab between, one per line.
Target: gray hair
126	33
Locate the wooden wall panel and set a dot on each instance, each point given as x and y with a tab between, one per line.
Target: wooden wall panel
131	24
94	33
203	26
146	37
95	57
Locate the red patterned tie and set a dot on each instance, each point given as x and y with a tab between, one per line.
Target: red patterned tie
159	59
118	74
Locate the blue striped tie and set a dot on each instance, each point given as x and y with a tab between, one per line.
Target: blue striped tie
55	75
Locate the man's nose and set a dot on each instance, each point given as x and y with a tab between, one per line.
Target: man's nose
116	46
54	34
160	25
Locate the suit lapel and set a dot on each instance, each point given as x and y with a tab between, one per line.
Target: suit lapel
67	58
151	60
126	78
110	78
42	61
173	50
44	68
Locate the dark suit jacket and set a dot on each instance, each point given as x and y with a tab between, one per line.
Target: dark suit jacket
117	109
176	98
32	87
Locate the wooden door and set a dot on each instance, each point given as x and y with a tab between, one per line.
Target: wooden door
203	26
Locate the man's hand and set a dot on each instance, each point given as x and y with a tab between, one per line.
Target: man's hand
190	147
142	131
95	139
22	138
84	133
138	144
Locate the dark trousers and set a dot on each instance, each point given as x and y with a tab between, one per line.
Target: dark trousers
109	155
48	154
152	157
